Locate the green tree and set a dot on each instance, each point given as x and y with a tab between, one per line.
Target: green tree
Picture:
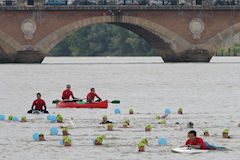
103	40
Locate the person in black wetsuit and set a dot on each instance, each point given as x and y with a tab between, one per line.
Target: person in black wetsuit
105	121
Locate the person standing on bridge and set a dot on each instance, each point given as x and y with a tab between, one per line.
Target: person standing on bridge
91	95
67	93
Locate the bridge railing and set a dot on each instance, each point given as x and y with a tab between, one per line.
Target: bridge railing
8	2
144	5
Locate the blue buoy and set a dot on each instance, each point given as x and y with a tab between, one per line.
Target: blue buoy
49	117
53	119
61	141
53	131
162	141
36	136
15	119
167	111
117	111
2	117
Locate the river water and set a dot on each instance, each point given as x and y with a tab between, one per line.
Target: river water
208	93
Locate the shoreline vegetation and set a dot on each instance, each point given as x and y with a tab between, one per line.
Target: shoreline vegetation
230	51
103	40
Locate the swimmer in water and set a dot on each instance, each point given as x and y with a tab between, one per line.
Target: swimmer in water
99	140
105	120
225	134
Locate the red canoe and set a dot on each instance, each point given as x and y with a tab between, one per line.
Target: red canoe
103	105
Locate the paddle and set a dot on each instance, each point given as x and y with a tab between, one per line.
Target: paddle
73	100
115	101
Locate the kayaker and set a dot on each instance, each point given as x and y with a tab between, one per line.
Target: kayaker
67	93
39	104
105	121
91	95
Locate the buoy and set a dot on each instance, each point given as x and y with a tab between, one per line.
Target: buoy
162	141
2	117
49	117
167	111
36	136
53	119
117	111
53	131
61	141
15	119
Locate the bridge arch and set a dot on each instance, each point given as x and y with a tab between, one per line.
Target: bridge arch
8	46
162	39
220	38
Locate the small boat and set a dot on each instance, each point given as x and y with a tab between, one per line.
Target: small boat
78	104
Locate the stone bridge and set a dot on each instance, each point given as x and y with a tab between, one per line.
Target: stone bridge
178	33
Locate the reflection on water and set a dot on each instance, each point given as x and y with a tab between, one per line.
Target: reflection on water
208	93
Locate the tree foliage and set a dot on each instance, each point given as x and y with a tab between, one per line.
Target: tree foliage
103	40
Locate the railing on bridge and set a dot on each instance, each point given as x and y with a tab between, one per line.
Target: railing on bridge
123	4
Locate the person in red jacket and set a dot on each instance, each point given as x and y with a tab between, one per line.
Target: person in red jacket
38	104
92	95
194	141
67	93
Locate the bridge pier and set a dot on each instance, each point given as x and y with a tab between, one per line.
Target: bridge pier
23	57
29	57
194	55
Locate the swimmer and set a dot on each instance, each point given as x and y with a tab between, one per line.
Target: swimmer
130	111
148	128
99	140
67	142
180	111
127	121
144	141
65	132
141	147
198	143
105	121
41	137
225	134
190	125
109	126
194	141
206	133
59	118
125	125
23	119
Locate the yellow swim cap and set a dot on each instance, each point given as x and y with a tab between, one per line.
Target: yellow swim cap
110	125
140	145
225	131
144	141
